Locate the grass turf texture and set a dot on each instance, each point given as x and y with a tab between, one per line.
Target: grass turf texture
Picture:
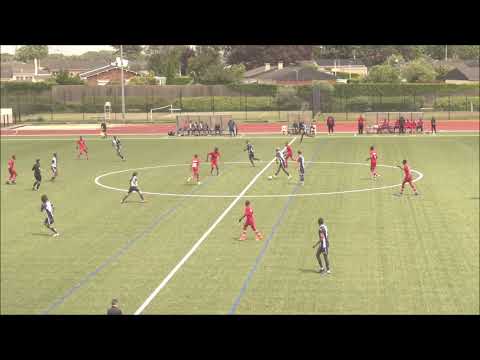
410	255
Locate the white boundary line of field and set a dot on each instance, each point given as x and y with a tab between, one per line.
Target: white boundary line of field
202	238
97	181
463	133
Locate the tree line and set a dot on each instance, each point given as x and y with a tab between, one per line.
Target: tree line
226	64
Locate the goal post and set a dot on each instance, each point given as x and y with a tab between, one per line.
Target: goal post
163	111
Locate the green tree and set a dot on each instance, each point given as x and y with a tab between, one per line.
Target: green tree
64	78
164	60
29	52
130	52
419	70
383	74
148	79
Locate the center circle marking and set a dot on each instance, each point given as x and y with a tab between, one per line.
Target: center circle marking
97	181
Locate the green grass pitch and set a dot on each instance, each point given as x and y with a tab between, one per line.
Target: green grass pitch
389	255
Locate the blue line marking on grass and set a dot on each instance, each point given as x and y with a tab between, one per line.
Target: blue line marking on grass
121	251
265	246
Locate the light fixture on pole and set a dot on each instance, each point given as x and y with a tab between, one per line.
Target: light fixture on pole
123	83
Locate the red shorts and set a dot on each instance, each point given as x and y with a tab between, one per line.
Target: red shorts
195	171
289	156
82	151
250	223
373	166
407	180
213	163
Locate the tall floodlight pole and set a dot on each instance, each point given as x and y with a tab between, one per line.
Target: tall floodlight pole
123	83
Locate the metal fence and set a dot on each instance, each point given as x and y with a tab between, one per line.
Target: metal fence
78	103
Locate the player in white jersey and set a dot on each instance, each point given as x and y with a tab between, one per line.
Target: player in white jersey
54	166
47	206
280	158
324	245
301	167
133	187
118	147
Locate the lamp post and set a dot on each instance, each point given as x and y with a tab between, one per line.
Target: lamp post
123	83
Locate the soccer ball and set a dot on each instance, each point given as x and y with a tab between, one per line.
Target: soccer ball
270	177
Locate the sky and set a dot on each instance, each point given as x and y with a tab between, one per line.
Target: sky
62	49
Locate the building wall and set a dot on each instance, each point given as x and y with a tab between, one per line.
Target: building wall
360	70
112	75
459	82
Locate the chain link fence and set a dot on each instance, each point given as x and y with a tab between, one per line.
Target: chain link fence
85	104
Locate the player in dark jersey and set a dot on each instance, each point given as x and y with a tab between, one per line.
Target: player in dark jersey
251	153
117	145
47	206
301	167
324	245
37	175
133	187
303	130
103	125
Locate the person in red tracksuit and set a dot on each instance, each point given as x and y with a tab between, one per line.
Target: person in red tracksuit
248	213
288	153
407	177
11	170
373	162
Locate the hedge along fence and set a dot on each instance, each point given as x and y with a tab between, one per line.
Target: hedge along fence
457	103
352	90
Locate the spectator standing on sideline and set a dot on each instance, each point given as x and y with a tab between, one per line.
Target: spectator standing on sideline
330	124
401	125
231	129
433	124
114	310
361	121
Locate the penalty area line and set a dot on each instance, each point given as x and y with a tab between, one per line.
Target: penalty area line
202	238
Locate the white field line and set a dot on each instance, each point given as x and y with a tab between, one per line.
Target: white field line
444	134
97	181
204	236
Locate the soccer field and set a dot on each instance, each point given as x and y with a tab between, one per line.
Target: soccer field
388	254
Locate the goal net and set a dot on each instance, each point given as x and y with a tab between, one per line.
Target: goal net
163	113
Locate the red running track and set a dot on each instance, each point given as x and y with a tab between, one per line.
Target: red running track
271	128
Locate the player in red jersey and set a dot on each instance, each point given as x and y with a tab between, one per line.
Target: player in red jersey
214	156
288	154
373	162
407	177
248	213
11	170
82	147
195	169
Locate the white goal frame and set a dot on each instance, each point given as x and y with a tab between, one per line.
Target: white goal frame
169	107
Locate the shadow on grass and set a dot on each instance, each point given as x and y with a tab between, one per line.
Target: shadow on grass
41	234
306	271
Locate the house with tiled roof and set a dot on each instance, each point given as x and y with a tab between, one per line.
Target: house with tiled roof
20	71
110	73
295	74
465	72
